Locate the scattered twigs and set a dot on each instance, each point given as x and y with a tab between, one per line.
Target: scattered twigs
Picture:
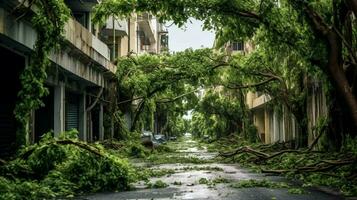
322	163
244	149
262	155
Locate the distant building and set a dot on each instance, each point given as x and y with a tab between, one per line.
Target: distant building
276	123
273	124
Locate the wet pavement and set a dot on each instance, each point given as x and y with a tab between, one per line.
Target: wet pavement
185	182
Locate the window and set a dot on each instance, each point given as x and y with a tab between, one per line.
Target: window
114	51
82	18
164	40
237	46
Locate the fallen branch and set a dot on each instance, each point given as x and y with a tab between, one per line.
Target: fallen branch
81	145
317	138
245	149
279	171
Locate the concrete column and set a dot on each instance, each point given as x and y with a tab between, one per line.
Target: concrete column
59	109
267	126
83	117
101	119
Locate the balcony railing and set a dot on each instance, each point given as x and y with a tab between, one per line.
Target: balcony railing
120	27
86	42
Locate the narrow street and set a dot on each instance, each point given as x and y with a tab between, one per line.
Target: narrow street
208	180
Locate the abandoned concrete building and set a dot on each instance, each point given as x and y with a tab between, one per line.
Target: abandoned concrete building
80	72
277	123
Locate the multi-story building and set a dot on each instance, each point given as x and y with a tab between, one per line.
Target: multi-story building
274	124
80	72
138	34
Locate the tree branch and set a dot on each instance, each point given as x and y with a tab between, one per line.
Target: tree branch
176	98
250	85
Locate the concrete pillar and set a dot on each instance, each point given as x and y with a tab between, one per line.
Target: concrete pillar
267	126
59	109
83	117
101	119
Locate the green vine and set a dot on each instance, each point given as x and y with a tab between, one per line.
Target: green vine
48	20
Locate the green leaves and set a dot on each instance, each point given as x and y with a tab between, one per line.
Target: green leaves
62	167
49	28
259	183
164	83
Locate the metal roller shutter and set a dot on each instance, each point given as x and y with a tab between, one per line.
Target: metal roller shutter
72	111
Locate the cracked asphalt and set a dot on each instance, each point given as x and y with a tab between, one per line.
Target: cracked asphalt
184	183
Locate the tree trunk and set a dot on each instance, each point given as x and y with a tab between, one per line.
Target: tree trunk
339	77
353	5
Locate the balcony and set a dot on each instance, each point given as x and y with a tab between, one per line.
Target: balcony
83	54
88	44
120	27
145	25
261	100
148	49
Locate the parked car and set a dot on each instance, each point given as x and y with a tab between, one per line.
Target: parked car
173	138
160	138
146	136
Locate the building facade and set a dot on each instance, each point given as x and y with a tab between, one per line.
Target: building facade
80	74
273	123
276	123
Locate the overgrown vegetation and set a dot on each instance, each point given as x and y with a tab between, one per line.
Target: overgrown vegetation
63	167
296	41
49	28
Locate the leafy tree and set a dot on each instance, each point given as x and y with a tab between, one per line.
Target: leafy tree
321	35
167	82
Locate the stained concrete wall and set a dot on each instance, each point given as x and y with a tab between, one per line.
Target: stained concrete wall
81	64
273	125
316	108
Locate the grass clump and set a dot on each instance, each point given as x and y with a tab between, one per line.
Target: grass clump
177	183
157	184
296	191
175	158
204	168
259	183
145	173
213	182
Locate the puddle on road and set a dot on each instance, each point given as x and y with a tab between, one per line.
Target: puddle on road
184	183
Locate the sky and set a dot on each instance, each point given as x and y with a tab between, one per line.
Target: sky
189	36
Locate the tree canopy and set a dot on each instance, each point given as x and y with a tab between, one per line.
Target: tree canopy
293	39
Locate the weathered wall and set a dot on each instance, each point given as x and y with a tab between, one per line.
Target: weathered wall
316	108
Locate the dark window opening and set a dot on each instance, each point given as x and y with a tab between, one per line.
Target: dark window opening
82	18
237	46
44	116
9	87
